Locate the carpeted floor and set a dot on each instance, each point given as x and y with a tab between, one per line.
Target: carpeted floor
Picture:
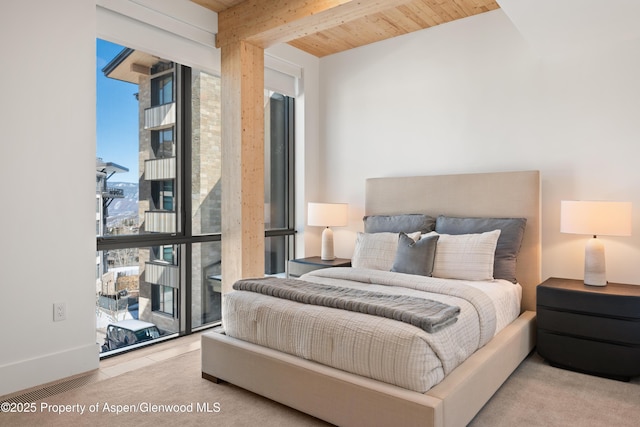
535	395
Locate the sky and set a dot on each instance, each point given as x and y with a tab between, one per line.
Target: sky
117	117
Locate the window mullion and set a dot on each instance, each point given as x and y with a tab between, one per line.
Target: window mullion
184	130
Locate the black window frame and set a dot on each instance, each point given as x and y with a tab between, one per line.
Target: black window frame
159	87
182	187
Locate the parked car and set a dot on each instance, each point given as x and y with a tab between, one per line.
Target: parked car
129	332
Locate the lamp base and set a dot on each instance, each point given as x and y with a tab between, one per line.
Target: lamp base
327	245
594	265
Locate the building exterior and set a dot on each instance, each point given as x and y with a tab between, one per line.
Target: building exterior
165	119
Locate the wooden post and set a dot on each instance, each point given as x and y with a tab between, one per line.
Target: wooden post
242	162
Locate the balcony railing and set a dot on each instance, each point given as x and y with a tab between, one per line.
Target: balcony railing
160	116
162	274
160	221
160	169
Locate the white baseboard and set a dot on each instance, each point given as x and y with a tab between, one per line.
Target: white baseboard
30	373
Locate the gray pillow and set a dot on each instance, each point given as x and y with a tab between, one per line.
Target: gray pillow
508	247
415	257
404	223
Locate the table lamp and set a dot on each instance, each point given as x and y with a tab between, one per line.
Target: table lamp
595	218
327	215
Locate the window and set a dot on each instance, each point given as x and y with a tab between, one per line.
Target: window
162	143
278	179
159	202
163	299
164	253
162	195
168	254
162	89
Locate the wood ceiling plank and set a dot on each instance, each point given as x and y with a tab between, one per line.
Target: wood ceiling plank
454	9
465	6
444	10
404	20
424	9
473	7
416	15
380	26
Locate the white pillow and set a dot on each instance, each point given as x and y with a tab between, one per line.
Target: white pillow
466	256
377	251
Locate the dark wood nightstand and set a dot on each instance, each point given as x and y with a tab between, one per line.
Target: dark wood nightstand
590	329
298	267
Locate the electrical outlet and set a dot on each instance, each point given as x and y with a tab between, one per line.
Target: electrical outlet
59	311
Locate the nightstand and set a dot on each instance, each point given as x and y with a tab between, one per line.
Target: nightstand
590	329
298	267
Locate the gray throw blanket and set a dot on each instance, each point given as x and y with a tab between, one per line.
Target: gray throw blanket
429	315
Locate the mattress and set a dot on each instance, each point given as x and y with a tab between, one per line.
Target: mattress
383	349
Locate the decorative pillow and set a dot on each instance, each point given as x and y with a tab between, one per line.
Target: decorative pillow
466	256
405	223
376	250
415	257
508	247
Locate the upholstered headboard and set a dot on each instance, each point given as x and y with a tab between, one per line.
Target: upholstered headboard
499	194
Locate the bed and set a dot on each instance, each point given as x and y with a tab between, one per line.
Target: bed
348	398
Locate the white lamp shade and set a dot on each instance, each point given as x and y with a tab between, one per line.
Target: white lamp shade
595	218
327	214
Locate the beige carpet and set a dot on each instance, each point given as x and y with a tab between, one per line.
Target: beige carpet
535	395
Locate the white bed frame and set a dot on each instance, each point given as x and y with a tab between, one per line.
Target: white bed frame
346	399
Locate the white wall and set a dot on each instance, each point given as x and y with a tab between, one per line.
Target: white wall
47	82
471	96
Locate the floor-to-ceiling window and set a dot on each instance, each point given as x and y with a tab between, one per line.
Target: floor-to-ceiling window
158	189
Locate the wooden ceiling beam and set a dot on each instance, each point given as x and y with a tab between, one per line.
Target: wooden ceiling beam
267	22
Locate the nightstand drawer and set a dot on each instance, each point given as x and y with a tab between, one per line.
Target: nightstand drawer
602	358
587	326
614	300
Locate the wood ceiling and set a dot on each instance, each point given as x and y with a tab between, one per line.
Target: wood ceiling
398	19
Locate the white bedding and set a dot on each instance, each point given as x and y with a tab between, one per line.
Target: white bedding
375	347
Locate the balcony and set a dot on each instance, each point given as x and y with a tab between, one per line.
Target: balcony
162	274
160	221
160	116
160	169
